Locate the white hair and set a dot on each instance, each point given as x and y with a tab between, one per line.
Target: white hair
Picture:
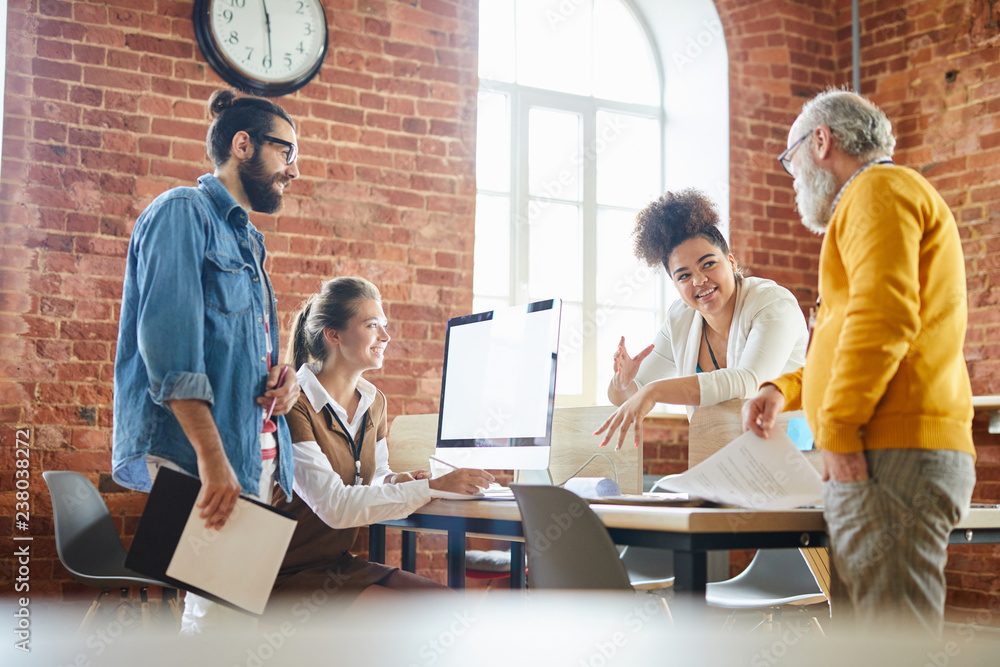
859	127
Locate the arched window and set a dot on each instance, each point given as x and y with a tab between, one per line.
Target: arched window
570	147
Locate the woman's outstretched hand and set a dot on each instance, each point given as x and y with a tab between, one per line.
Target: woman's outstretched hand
631	412
626	367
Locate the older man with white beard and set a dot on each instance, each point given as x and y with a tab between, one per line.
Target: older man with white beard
885	387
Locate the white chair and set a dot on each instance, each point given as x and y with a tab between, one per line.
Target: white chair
774	580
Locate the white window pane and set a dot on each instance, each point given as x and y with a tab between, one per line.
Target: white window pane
496	40
628	159
555	256
624	68
622	280
491	258
554	45
569	364
493	142
639	328
554	141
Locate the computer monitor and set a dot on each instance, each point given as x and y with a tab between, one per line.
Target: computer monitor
498	388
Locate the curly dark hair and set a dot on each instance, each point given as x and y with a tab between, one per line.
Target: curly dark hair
671	220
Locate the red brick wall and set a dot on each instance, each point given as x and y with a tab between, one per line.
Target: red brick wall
105	109
780	53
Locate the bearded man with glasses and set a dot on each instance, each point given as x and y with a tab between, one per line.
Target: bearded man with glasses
197	388
885	387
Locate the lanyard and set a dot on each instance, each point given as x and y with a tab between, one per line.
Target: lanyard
704	328
355	445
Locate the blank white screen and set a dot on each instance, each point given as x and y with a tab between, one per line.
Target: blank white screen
498	376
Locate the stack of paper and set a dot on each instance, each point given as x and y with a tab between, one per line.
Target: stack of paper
753	472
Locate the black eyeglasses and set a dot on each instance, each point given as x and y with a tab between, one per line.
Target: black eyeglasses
784	158
293	151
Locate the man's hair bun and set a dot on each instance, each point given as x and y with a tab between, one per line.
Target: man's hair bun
220	101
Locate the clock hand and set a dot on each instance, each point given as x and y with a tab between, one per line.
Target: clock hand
267	22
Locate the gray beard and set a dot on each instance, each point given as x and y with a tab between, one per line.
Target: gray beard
815	189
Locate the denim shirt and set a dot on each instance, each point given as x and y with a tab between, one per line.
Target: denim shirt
192	326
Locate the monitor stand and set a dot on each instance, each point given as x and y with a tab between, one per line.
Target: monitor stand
533	477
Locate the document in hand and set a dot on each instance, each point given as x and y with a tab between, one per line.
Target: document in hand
752	472
235	566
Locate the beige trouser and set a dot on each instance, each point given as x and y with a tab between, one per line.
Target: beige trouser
889	537
202	614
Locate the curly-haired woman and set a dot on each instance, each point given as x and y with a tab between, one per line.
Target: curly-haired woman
722	338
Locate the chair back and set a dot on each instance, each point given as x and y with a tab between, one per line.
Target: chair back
86	539
412	439
715	426
567	545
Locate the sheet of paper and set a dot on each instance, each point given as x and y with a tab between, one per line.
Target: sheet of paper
752	472
219	563
451	495
488	494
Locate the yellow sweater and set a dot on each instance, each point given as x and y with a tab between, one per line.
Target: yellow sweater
885	367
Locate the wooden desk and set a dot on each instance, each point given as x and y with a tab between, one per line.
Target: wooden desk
689	532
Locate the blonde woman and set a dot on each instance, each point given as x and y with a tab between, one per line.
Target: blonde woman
338	428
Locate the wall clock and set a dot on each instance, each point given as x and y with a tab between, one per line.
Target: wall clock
265	47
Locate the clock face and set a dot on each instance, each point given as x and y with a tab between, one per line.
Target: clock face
267	46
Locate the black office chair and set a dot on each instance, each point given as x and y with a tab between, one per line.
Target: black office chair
567	545
89	547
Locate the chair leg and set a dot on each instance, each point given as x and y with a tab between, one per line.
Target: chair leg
144	608
94	606
729	623
170	597
767	623
123	604
814	623
666	610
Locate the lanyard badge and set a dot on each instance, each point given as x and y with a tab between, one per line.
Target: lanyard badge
355	445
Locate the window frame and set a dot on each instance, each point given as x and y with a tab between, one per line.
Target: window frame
521	99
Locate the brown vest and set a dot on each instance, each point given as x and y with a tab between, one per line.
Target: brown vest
314	543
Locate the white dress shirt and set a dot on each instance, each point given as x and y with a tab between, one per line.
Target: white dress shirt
768	337
316	482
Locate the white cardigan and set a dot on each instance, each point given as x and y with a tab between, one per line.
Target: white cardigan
768	337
